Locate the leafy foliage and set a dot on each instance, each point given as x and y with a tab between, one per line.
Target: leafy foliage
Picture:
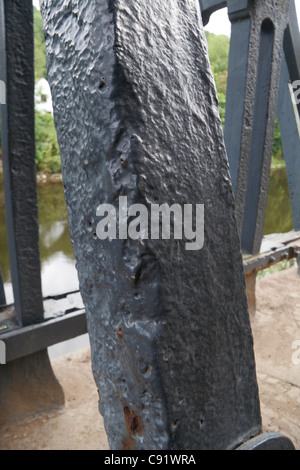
277	144
47	149
39	47
218	49
218	46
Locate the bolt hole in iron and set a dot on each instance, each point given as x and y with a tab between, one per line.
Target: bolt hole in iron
102	84
89	226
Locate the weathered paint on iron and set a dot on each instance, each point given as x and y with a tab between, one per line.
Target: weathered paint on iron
18	155
172	347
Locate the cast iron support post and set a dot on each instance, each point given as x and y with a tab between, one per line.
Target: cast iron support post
208	7
137	116
28	384
251	99
257	36
289	125
244	25
18	154
288	111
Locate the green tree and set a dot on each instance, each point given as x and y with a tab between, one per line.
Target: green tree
277	144
39	47
47	149
218	48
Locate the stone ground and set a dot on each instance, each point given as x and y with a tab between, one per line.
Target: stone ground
276	329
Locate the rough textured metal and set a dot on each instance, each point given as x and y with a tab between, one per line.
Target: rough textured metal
246	24
269	441
289	124
251	105
136	115
18	155
288	113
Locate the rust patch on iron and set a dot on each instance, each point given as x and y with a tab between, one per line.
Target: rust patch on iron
128	443
133	421
134	426
121	333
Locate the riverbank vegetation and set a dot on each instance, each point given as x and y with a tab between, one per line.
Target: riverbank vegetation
47	149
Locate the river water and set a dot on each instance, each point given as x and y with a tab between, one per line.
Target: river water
57	261
58	270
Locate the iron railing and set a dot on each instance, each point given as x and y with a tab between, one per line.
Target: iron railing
29	331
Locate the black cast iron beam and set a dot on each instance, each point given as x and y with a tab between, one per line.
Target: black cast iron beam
249	126
22	342
268	441
288	111
208	7
18	156
289	125
137	115
251	105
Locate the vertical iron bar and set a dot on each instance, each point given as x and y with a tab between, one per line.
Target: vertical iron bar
2	292
18	149
254	69
291	45
259	157
208	7
235	99
289	125
289	113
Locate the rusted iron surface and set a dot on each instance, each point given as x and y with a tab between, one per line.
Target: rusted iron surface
137	115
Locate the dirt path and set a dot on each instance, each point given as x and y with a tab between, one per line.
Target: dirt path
276	327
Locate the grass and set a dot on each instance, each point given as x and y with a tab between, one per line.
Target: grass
281	266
